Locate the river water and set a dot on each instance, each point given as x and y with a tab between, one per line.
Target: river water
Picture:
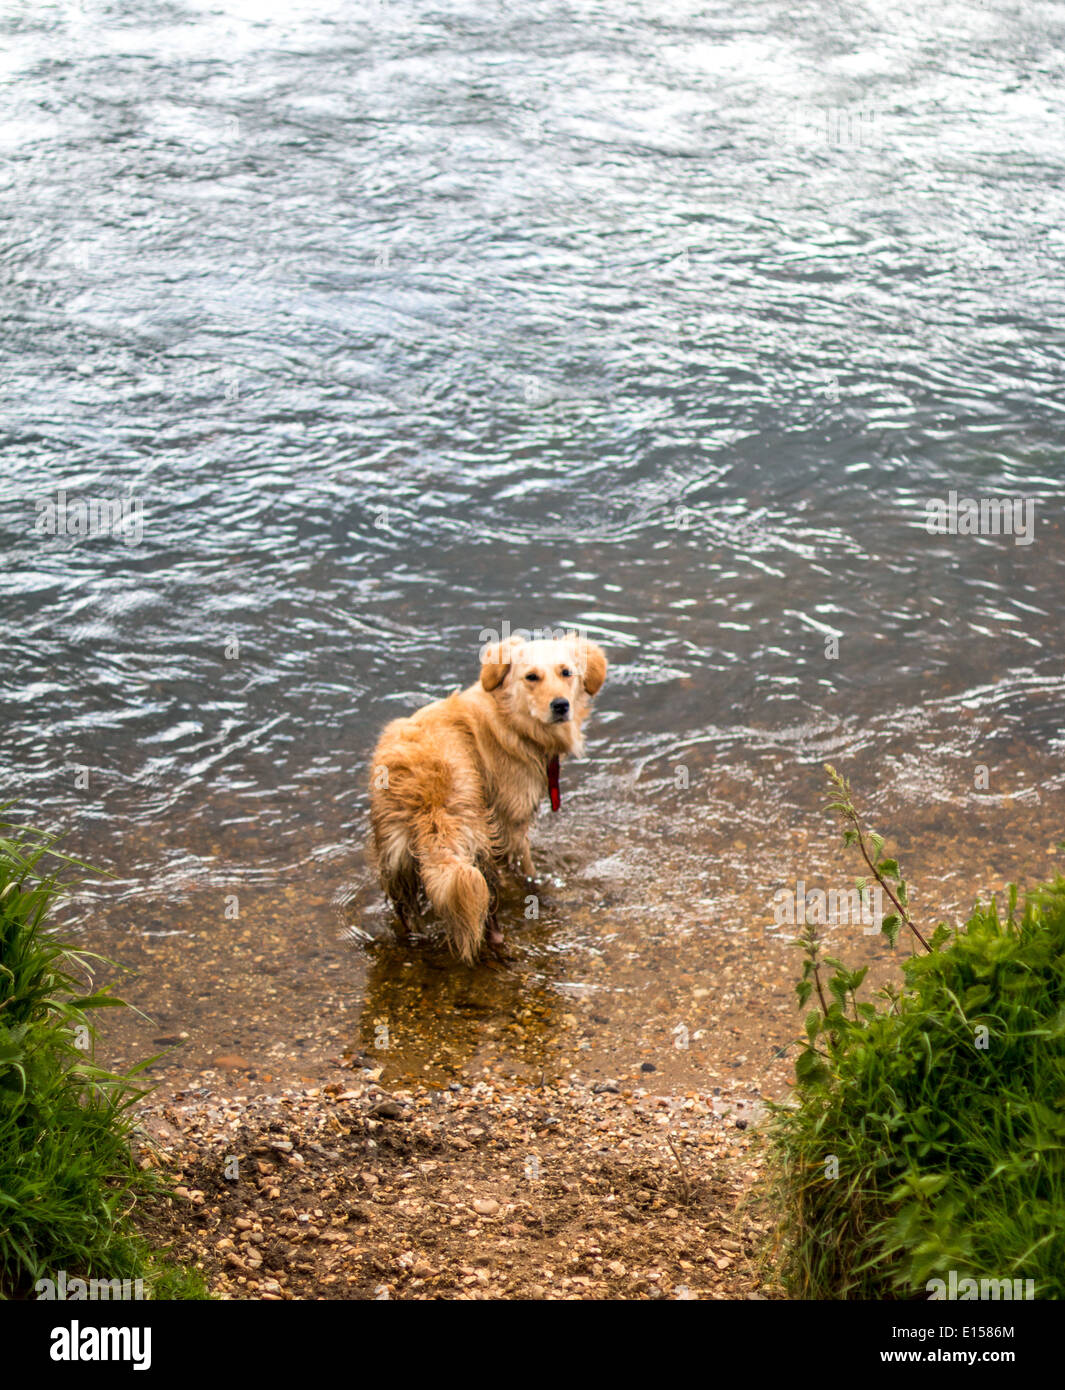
391	323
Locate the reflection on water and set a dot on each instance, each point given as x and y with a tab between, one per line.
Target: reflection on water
400	323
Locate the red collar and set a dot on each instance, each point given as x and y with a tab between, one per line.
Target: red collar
552	782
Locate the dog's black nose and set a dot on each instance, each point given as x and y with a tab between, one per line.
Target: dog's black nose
560	708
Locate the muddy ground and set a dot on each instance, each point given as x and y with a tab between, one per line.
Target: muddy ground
348	1191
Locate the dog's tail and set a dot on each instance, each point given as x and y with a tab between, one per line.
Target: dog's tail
453	884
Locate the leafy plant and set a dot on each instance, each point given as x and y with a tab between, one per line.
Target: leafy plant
884	870
68	1179
928	1134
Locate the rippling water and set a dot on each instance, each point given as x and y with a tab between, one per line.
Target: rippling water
399	320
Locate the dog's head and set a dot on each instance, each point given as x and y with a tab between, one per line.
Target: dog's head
545	686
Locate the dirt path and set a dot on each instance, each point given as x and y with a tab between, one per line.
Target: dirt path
342	1190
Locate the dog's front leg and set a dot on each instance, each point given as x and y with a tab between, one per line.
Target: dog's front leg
525	859
403	921
495	942
495	932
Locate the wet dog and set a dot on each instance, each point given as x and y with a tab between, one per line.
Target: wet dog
454	787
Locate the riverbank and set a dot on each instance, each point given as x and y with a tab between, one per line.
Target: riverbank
345	1190
447	1087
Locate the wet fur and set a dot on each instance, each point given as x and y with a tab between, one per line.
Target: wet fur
454	787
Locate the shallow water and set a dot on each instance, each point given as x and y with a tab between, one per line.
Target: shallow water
401	321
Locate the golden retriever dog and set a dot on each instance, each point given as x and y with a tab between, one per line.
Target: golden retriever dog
454	787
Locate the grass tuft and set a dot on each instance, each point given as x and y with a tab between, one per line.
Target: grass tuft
69	1183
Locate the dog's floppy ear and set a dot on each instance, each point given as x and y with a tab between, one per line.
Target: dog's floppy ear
496	660
593	660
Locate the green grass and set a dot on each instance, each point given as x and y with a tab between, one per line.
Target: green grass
69	1183
172	1281
928	1130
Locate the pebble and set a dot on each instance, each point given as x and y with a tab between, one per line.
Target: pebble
387	1110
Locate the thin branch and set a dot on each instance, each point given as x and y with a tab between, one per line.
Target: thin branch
820	991
900	908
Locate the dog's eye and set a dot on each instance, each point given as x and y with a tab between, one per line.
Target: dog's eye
532	676
566	672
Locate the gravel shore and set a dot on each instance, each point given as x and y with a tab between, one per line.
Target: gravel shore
566	1191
